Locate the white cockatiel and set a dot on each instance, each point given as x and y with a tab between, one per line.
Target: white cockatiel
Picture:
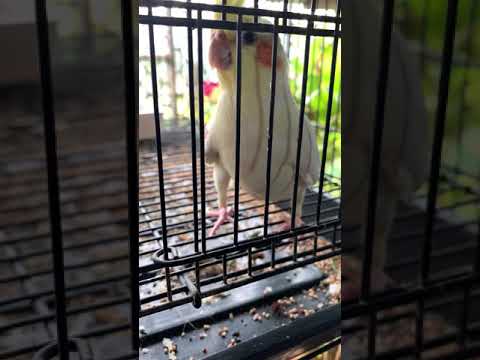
256	73
404	154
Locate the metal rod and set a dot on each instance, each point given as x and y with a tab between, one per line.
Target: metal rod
238	108
52	176
306	62
202	130
440	118
328	115
191	91
237	10
270	140
158	142
384	61
228	25
132	163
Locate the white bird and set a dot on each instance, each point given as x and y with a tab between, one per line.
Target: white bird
404	152
256	57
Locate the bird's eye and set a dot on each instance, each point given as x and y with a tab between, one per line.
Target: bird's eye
248	37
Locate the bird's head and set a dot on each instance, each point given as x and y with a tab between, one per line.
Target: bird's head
256	53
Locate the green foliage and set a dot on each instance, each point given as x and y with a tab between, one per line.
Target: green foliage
317	96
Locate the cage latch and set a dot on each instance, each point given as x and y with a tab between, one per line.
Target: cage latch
157	257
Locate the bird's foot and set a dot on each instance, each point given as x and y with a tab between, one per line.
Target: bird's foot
223	215
287	223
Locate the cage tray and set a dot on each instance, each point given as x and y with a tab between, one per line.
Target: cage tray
164	324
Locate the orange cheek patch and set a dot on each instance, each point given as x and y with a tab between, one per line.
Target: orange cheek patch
264	54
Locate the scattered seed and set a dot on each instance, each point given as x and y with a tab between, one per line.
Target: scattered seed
276	307
267	290
169	347
257	317
232	343
236	334
145	350
203	335
182	334
206	327
252	311
223	331
205	350
231	317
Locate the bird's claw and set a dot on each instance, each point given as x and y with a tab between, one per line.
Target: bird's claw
223	215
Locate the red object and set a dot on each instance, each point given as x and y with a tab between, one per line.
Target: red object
208	87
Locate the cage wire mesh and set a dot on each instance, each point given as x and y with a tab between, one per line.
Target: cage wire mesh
64	251
432	260
176	265
180	263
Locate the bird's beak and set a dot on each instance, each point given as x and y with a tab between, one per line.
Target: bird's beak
220	53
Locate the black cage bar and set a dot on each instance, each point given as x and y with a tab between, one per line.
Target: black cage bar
429	305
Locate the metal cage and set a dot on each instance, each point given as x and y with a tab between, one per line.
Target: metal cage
164	273
179	262
173	264
434	256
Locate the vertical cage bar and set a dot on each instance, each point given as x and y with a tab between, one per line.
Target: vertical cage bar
301	120
158	143
285	10
132	165
329	112
384	62
202	130
52	177
224	14
255	6
237	133
191	94
440	118
270	140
